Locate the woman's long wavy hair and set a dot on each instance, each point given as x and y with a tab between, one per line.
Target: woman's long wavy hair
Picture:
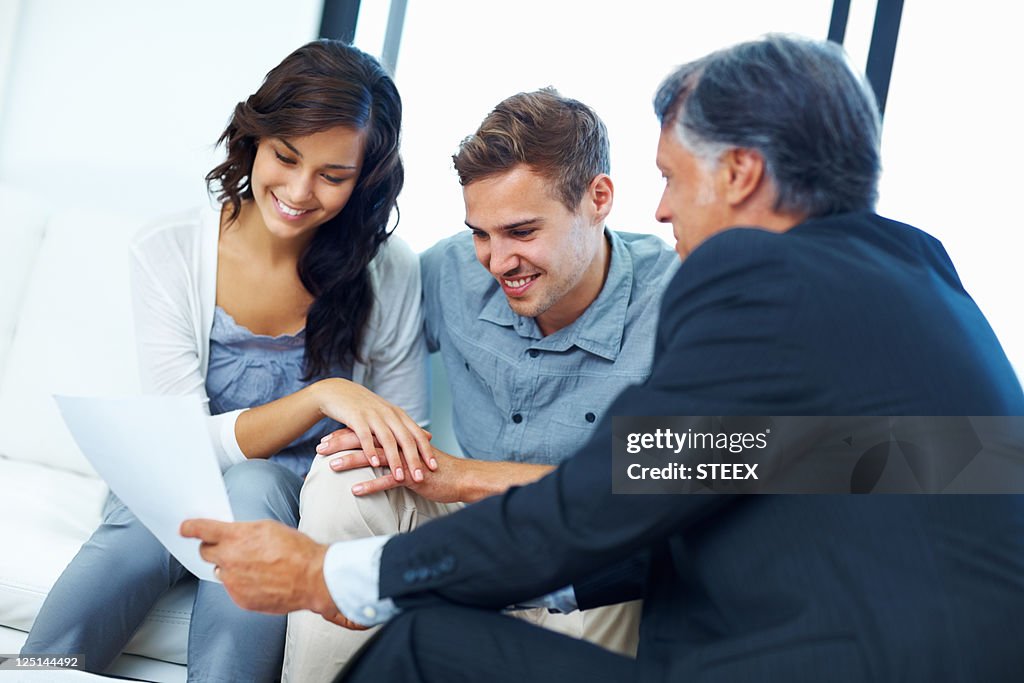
321	85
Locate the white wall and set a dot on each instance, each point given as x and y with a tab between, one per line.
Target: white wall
951	148
461	57
118	103
8	22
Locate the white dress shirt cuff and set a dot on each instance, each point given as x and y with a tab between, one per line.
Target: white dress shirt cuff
352	574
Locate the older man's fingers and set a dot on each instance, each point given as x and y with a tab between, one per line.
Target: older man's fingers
207	530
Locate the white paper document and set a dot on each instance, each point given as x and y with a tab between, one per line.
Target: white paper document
155	454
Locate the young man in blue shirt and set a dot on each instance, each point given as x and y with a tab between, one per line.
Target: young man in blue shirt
542	315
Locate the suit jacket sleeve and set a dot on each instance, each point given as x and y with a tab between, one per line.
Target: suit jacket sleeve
620	582
730	296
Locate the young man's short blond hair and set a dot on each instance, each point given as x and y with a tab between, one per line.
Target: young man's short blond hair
559	138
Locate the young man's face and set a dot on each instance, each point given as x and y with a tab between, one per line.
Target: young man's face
543	256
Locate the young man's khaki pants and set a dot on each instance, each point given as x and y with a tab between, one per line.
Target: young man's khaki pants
316	650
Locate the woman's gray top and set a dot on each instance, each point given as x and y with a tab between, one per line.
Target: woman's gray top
248	369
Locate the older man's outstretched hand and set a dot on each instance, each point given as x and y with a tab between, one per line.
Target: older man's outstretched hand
267	566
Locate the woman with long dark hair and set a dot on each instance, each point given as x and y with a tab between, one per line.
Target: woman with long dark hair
288	309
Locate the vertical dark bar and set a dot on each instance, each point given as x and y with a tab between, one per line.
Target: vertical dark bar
883	48
338	20
837	26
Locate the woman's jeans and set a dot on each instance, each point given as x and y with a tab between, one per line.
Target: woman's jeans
108	589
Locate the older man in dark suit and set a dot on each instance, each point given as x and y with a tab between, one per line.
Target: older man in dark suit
794	298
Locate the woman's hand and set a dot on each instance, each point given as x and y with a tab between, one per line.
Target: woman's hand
368	416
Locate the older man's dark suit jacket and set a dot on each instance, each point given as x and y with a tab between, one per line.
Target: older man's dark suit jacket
846	315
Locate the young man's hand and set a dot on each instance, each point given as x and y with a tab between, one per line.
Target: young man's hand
455	480
443	485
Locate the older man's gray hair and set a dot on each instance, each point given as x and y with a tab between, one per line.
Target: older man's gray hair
794	100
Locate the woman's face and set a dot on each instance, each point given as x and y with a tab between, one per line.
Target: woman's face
299	183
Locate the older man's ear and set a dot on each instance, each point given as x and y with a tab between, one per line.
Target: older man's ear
741	172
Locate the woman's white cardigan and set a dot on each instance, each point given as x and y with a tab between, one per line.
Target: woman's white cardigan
174	293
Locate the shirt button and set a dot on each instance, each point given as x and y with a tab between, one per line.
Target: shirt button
467	365
590	417
534	353
369	612
517	418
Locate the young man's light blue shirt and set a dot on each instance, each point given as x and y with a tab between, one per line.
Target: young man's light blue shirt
518	395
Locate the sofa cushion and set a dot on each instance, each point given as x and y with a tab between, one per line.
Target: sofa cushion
21	231
74	335
45	516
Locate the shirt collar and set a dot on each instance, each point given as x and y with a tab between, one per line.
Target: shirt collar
598	331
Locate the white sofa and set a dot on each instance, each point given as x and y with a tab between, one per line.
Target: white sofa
66	328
